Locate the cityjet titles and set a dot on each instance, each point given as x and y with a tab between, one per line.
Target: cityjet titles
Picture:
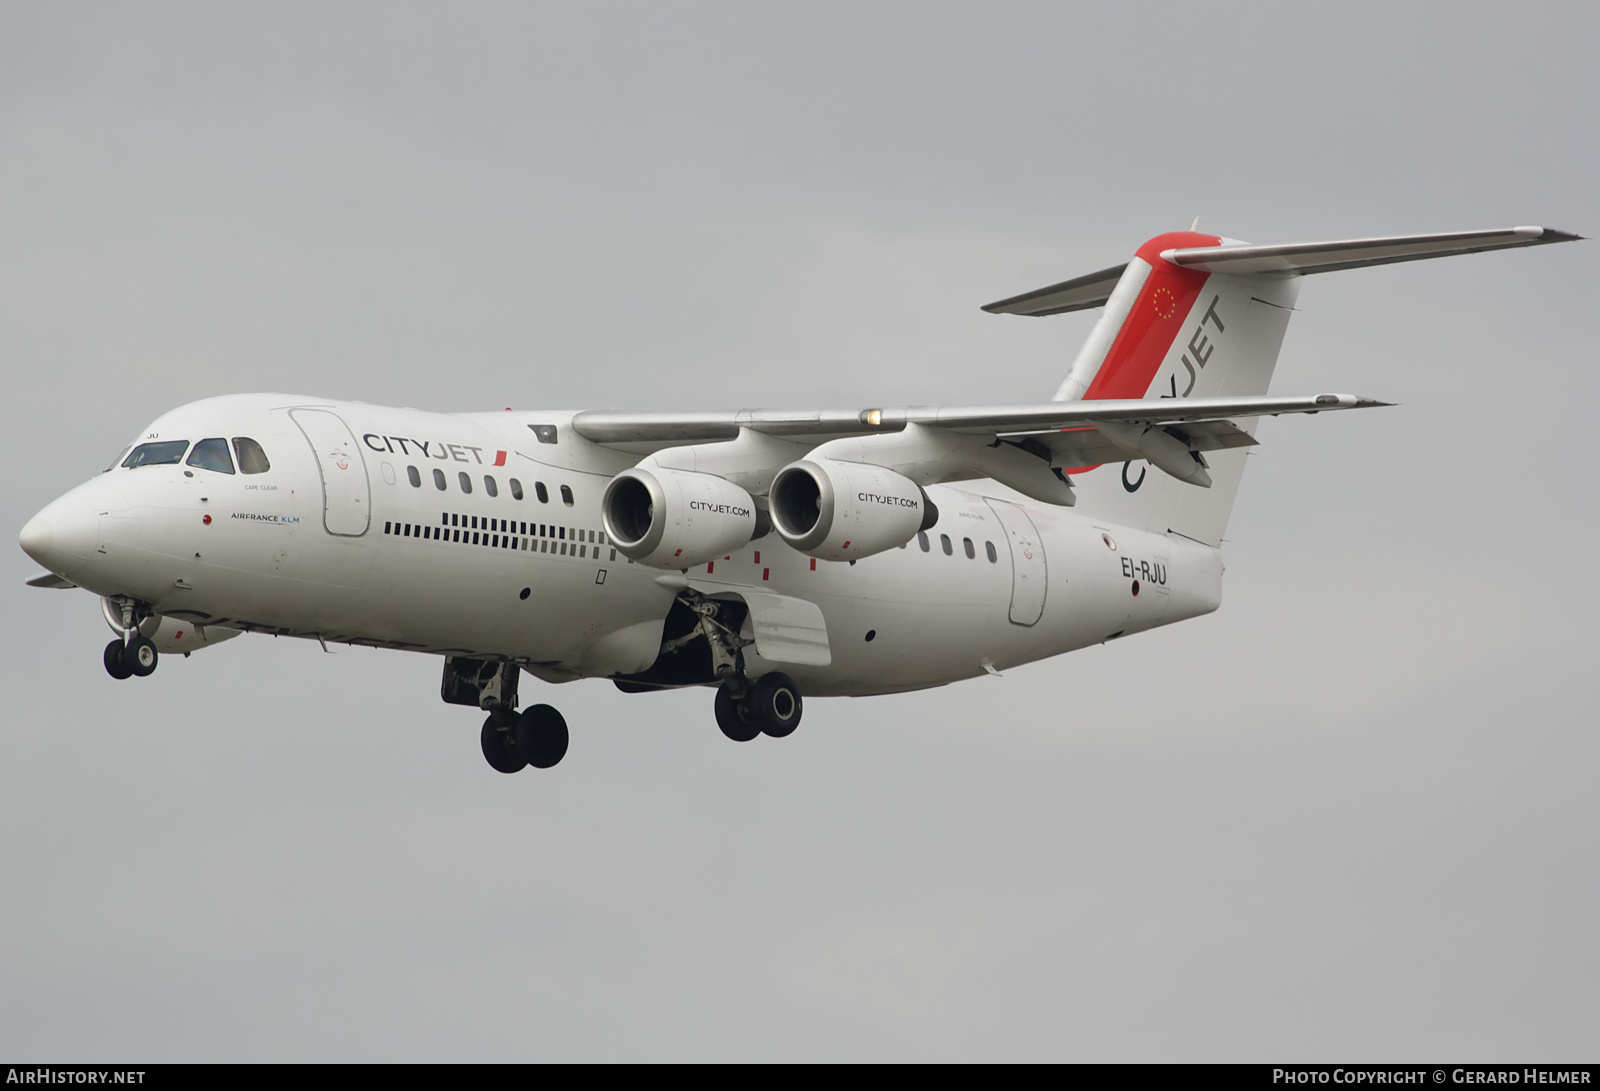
891	501
444	452
1200	347
719	509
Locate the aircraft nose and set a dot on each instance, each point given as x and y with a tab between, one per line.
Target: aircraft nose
37	537
64	535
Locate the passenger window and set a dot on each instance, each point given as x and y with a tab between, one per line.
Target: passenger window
566	496
489	486
944	542
966	544
211	454
466	483
516	489
989	548
414	477
252	459
922	540
541	492
438	479
166	453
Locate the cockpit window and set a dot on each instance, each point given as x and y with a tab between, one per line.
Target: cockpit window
118	460
252	459
168	452
211	454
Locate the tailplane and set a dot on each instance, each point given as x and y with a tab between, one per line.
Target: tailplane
1195	316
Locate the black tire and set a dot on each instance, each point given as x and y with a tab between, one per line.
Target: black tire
140	657
115	666
774	704
734	718
496	749
541	735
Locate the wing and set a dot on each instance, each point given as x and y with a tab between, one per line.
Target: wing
1023	446
652	431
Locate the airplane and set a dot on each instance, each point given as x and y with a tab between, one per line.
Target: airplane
770	555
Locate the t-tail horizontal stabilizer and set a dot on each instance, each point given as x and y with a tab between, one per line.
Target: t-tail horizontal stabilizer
1297	258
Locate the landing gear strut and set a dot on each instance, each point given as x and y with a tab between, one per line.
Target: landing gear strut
770	706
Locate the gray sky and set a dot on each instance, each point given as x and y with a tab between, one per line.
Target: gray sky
1351	815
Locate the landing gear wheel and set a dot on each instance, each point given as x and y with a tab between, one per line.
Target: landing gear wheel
497	748
115	666
140	657
734	718
774	704
541	736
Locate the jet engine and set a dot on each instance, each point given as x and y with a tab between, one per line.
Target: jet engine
676	519
843	511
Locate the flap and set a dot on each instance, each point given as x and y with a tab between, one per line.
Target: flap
1085	446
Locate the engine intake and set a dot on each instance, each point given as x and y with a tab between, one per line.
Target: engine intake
676	519
843	511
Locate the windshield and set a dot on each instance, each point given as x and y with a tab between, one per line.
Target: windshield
212	454
166	453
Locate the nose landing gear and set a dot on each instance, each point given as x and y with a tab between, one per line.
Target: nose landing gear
132	655
137	658
511	741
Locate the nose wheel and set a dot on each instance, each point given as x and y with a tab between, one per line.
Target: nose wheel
136	658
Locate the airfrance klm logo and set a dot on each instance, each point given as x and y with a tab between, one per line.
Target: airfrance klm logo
444	452
252	517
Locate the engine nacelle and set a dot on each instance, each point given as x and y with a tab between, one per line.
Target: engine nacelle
676	519
843	511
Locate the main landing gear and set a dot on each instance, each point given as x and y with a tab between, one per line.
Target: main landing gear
511	740
536	736
769	706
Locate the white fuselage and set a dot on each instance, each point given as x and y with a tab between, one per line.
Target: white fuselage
335	542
